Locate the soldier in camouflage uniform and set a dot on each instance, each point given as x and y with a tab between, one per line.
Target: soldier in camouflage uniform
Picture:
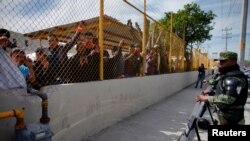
231	91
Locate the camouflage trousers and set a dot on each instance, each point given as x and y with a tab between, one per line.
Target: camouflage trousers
223	121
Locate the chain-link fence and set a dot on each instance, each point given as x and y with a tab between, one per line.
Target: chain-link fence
65	41
201	58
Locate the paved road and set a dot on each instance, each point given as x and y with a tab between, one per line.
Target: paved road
163	121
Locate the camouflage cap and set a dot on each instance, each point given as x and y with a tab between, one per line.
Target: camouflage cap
228	55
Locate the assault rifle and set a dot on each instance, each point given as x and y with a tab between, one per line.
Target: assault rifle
196	122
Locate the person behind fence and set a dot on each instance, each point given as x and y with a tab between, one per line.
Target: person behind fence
78	64
10	76
108	71
88	42
93	60
45	71
58	52
24	64
231	91
7	45
158	55
118	63
163	62
151	62
120	60
138	59
129	62
201	76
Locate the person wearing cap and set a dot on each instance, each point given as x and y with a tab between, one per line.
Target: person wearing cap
231	91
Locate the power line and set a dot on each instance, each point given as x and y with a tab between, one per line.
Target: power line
227	35
222	14
231	7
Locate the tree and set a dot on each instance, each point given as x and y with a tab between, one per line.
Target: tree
247	63
195	22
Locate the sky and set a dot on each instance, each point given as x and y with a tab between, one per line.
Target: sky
30	15
228	15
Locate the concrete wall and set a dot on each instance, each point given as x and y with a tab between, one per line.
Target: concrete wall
83	109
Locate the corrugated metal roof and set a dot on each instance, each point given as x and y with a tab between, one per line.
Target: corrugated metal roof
114	31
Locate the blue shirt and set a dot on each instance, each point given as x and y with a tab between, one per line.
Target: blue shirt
24	70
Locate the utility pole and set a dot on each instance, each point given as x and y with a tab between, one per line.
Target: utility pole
227	35
243	32
249	54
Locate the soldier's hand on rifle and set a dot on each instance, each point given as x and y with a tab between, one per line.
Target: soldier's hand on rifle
201	98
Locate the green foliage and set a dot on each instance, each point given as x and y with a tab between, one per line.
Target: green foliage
196	23
247	63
